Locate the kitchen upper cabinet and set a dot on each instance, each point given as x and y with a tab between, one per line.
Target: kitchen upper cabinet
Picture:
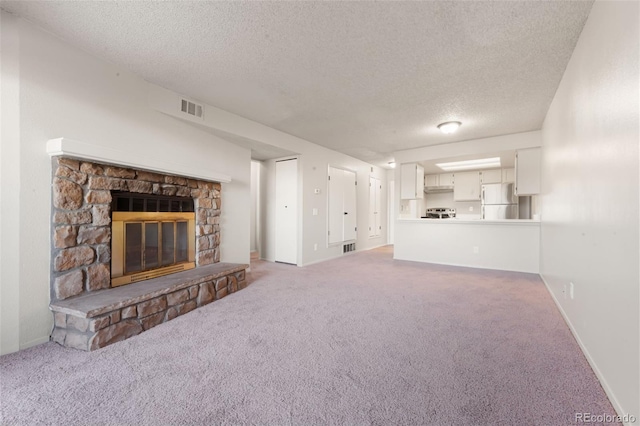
491	176
411	181
446	179
431	180
467	186
528	171
442	179
508	175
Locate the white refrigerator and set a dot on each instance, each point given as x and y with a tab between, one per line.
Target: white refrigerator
499	201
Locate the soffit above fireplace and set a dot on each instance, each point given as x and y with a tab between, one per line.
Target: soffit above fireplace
81	150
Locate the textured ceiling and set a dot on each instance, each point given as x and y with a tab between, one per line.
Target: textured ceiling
364	78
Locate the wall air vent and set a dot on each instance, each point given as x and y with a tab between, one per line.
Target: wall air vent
191	108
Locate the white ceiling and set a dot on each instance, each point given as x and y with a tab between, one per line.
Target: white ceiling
364	78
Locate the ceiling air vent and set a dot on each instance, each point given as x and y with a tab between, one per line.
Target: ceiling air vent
191	108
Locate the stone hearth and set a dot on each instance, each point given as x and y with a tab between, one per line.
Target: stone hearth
94	320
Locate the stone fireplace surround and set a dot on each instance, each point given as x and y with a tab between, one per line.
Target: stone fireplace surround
88	314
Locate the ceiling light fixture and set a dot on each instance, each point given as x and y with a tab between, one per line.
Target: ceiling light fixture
449	126
483	163
392	164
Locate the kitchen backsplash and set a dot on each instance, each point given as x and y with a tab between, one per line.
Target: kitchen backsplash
445	199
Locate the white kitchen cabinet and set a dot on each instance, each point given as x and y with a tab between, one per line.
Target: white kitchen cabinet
411	181
446	179
442	179
431	180
528	171
467	186
491	176
508	175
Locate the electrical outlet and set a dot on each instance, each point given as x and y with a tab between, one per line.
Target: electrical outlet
476	249
314	212
470	208
571	290
316	191
315	247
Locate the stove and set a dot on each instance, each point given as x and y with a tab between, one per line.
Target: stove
440	213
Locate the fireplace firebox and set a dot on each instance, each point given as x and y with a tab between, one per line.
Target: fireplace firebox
151	236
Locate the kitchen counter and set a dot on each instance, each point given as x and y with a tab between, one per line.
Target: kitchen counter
476	221
510	244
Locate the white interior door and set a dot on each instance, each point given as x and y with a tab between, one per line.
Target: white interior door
342	205
349	215
336	205
374	207
287	211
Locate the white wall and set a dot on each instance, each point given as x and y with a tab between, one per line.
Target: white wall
590	214
9	186
55	90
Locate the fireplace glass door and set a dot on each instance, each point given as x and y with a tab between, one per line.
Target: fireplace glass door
150	244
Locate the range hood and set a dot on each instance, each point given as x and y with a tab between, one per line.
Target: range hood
438	189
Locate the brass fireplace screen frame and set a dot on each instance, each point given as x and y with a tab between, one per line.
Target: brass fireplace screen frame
162	220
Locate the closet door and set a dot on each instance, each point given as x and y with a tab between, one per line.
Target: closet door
287	211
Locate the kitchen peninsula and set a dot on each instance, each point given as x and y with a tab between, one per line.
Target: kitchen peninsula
510	245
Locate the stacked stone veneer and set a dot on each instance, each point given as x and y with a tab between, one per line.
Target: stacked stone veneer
81	256
81	220
94	329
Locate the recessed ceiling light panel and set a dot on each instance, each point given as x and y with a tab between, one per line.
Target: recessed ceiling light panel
483	163
449	126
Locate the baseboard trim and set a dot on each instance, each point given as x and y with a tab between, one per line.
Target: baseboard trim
460	265
34	342
342	254
585	351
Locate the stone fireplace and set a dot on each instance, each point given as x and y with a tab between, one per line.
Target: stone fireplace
83	195
113	226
